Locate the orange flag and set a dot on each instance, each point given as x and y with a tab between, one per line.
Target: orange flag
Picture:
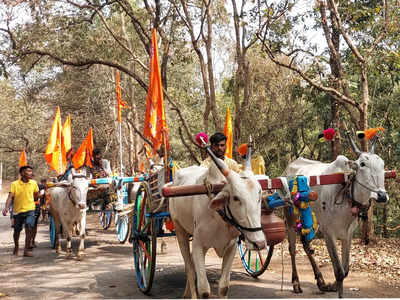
228	133
120	102
84	154
54	154
66	135
155	123
22	159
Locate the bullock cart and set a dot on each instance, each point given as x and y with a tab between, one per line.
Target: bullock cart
121	217
151	208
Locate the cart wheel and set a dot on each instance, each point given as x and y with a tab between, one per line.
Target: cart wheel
144	239
122	228
255	262
105	218
52	232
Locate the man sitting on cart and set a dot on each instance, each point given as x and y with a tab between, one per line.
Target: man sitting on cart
102	194
218	147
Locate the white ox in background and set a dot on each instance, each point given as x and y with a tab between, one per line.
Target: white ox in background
197	216
337	209
68	208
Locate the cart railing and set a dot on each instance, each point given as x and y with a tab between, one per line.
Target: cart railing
266	184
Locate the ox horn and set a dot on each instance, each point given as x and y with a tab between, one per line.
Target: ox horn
247	164
218	162
372	149
353	144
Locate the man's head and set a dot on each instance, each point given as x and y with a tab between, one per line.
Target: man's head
26	172
218	144
97	156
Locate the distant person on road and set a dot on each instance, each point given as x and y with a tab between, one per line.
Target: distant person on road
24	191
101	169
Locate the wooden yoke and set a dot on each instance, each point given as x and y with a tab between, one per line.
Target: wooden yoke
266	184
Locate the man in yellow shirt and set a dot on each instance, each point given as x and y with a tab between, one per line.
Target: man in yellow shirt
218	147
25	192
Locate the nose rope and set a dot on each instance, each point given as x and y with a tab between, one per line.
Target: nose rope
366	187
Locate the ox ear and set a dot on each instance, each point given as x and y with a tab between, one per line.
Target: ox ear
352	165
219	201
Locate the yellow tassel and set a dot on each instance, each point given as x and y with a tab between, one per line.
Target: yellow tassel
305	231
315	223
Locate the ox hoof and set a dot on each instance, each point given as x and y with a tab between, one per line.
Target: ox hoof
205	295
80	255
297	289
223	292
331	287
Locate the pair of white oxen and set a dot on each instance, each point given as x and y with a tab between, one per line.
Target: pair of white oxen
239	203
218	220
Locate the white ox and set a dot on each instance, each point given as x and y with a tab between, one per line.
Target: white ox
68	208
337	209
197	216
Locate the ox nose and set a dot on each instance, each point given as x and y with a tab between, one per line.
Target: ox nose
382	197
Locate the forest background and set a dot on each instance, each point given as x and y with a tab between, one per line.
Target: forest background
286	69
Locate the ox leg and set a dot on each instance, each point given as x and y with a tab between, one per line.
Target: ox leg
290	223
183	241
58	235
317	273
82	233
198	253
337	267
346	246
223	286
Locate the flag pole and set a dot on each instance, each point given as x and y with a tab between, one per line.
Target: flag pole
165	157
120	148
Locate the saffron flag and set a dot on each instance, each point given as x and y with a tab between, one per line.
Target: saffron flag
228	134
155	123
22	159
120	102
54	154
84	154
66	135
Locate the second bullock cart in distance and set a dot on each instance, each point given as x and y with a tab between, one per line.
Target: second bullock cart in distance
151	209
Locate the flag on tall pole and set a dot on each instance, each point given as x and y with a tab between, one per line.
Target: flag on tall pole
66	135
54	154
22	159
155	123
228	134
84	154
120	103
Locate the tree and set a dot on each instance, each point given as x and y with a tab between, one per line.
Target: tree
361	27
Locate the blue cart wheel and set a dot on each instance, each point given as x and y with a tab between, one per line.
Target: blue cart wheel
144	239
255	262
122	228
52	232
105	219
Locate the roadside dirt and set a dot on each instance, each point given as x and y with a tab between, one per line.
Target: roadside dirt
107	271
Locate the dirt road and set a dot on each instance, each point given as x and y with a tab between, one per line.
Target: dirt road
107	272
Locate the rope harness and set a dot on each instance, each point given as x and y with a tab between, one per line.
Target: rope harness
72	187
227	216
348	192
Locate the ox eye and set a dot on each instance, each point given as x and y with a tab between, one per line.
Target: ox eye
362	164
236	198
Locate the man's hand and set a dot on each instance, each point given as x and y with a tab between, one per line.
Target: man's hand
5	210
